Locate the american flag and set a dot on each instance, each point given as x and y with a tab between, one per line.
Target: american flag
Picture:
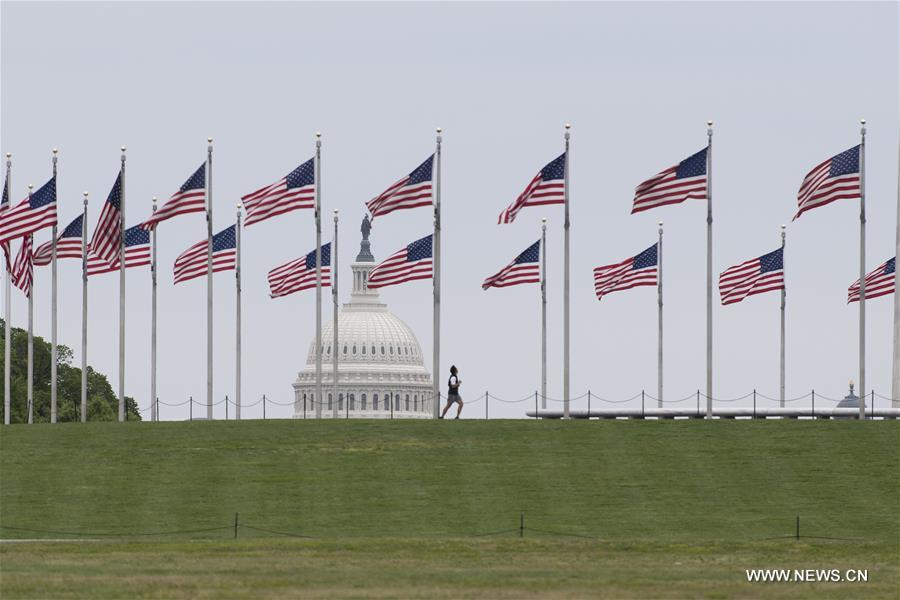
525	268
879	282
137	253
23	268
547	187
192	262
763	274
295	191
636	271
108	234
676	184
412	191
835	179
408	264
190	198
33	213
68	244
300	274
4	205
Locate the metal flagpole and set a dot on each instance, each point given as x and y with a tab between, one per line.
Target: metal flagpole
862	269
436	252
895	375
659	302
153	403
709	277
84	309
122	291
566	339
237	333
7	296
209	282
318	176
544	313
30	370
783	300
334	296
53	323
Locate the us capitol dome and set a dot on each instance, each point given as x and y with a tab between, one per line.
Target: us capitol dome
381	373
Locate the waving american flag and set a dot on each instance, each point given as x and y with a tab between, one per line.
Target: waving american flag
525	268
407	264
32	214
190	198
68	244
835	179
137	253
676	184
192	262
547	187
23	268
879	282
636	271
108	233
762	274
412	191
300	274
294	191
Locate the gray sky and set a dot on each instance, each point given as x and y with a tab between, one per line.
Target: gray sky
784	83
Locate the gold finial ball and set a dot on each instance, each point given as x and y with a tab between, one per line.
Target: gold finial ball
9	155
55	150
544	220
209	140
85	194
318	134
568	126
439	129
709	123
239	206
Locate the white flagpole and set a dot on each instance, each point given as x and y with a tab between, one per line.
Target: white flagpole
122	292
709	275
53	322
237	338
30	370
659	335
318	216
209	282
154	416
84	309
566	339
7	295
895	375
544	313
334	295
436	257
783	301
862	270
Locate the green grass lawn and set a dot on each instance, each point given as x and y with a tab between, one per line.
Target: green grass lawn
670	508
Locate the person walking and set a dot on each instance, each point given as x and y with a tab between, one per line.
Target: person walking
453	392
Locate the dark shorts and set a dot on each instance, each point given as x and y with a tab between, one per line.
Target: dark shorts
451	398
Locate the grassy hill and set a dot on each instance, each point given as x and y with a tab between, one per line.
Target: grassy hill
688	489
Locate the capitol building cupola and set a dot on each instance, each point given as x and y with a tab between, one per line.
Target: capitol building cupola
381	372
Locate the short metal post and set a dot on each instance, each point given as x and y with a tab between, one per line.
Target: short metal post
698	403
535	405
814	403
264	407
754	403
191	404
235	525
521	525
642	404
589	405
872	410
226	407
797	534
485	405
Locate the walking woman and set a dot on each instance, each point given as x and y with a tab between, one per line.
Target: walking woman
453	392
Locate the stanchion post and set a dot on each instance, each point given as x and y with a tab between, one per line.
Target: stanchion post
485	405
754	403
304	406
698	403
589	405
642	404
191	409
535	405
872	410
814	403
264	407
226	407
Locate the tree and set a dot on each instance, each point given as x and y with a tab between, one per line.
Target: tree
102	401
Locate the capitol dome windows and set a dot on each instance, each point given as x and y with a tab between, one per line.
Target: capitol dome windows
364	350
354	350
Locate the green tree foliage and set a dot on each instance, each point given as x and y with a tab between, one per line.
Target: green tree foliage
102	401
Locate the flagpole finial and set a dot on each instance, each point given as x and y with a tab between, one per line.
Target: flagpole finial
209	140
85	194
568	126
55	151
862	121
318	134
123	148
439	129
709	123
544	220
8	155
30	187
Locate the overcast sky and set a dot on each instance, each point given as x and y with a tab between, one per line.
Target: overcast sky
785	84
